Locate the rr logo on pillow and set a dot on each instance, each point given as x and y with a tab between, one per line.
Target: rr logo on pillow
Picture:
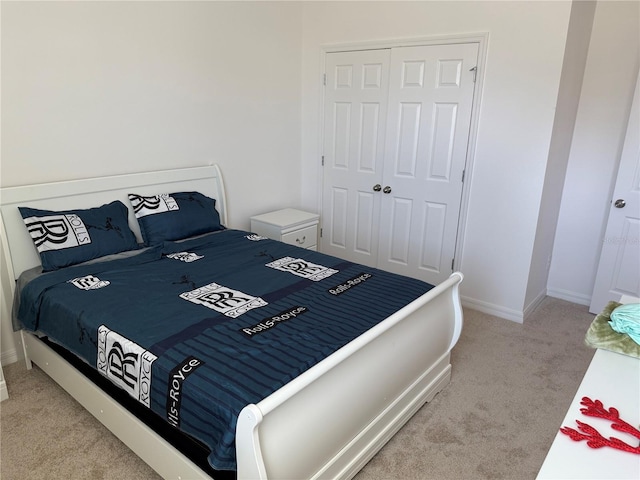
143	206
56	232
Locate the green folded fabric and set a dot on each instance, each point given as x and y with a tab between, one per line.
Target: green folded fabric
601	335
626	319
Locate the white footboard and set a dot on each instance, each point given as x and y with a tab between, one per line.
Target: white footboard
331	420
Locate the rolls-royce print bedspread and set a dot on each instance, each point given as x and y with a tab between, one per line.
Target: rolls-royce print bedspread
196	330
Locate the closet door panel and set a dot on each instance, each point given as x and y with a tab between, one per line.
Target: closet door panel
433	232
400	225
429	114
366	222
339	205
355	114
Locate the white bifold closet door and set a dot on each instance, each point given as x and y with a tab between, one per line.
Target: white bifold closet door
396	131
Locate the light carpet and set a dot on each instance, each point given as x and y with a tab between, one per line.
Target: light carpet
510	389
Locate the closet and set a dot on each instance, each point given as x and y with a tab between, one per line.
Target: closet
396	133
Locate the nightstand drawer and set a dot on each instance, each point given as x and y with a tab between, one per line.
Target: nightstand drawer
305	237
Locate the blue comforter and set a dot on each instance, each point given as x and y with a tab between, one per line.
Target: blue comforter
196	330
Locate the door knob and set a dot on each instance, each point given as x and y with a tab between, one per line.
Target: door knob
620	203
387	189
377	187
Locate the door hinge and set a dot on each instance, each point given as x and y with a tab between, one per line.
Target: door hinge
463	172
322	160
452	260
324	79
321	233
475	71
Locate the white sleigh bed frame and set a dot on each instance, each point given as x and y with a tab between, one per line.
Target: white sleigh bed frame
326	423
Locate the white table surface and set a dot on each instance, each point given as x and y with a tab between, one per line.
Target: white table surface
614	379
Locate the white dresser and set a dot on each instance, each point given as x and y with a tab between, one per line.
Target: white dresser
614	379
295	227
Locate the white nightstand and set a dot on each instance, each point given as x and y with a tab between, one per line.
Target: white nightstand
291	226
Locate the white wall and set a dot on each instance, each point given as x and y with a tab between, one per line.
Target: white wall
607	91
521	81
575	59
104	88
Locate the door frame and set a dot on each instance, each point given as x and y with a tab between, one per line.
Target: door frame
482	39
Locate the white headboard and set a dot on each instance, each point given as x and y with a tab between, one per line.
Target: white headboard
18	247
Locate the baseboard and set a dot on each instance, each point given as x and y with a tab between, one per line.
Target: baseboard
495	310
518	316
9	357
4	393
573	297
528	310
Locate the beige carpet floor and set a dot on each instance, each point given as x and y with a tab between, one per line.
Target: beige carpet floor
510	389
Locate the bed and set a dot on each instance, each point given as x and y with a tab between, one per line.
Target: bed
326	422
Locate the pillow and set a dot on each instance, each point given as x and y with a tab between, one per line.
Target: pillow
69	237
175	216
601	335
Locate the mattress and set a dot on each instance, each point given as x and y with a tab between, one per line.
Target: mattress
196	330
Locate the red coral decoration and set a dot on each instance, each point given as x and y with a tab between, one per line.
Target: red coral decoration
593	437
